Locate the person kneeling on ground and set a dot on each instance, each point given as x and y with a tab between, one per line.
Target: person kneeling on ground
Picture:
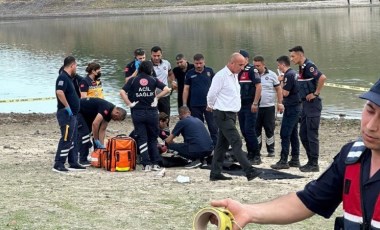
94	115
197	141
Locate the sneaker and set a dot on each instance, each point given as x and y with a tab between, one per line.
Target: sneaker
147	168
280	165
309	168
85	163
270	155
256	160
193	164
215	177
204	164
77	167
60	169
156	168
294	163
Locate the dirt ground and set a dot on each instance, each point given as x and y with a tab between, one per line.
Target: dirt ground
34	197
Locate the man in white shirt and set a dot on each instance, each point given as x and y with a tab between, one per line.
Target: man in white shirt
163	72
266	117
224	99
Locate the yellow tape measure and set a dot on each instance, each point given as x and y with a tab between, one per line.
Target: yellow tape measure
224	217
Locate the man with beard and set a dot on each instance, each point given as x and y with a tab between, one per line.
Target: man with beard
183	66
197	84
68	108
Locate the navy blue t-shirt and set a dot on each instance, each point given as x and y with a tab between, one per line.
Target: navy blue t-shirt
291	85
199	85
142	89
130	69
323	196
91	106
194	134
65	83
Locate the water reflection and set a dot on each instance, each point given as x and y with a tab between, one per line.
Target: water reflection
342	42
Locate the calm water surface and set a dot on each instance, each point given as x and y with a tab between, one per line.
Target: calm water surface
344	43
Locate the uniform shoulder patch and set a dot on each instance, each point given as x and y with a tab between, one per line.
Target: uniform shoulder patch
60	83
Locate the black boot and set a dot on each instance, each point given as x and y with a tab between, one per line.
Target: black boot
256	160
311	166
294	162
281	164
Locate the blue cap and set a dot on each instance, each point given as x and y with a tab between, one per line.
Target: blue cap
373	94
244	53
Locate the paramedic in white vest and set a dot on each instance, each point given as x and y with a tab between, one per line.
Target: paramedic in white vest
353	177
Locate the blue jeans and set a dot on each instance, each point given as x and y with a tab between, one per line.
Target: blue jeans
289	132
247	122
146	134
67	146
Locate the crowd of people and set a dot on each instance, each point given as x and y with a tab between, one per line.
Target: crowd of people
247	91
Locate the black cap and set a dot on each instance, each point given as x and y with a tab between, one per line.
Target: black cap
373	94
244	53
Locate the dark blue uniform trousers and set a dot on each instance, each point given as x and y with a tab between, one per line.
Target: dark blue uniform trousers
67	146
247	122
84	136
146	132
310	119
289	132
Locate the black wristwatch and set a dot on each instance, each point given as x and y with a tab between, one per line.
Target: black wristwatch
316	94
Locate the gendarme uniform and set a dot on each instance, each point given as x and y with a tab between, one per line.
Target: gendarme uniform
289	124
248	78
145	117
311	110
92	87
67	146
130	68
347	180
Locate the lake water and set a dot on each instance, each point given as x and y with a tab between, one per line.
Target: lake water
344	44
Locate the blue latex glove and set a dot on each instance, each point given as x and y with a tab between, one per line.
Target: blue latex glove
68	109
137	64
98	145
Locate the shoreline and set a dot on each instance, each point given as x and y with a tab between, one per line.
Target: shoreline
7	14
6	118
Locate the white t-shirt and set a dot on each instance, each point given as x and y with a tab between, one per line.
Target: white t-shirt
162	73
269	80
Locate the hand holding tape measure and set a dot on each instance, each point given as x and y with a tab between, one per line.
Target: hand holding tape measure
218	216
